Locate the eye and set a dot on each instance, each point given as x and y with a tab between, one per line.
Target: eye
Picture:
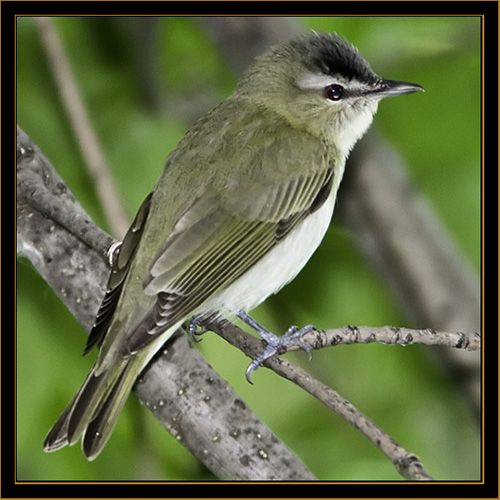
334	92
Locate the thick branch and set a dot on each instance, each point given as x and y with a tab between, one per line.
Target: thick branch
56	234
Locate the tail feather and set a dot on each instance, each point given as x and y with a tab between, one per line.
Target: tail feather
99	399
100	427
58	435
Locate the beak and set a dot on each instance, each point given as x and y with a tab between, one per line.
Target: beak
388	88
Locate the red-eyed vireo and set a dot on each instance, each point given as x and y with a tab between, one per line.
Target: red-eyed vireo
243	202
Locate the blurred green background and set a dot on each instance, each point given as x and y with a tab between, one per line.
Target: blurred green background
403	390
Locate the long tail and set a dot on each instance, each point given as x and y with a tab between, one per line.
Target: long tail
94	410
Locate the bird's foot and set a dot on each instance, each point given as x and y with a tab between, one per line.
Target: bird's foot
292	337
194	333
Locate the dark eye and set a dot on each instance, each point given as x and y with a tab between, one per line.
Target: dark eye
334	92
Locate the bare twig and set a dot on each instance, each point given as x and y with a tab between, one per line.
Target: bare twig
390	335
405	462
82	128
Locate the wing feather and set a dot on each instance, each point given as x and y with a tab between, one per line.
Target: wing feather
213	259
117	277
231	224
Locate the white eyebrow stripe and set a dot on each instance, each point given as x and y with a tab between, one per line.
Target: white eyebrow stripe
316	81
311	81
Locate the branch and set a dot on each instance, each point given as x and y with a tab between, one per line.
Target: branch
55	233
405	462
389	335
82	127
68	250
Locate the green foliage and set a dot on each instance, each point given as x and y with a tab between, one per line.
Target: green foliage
401	389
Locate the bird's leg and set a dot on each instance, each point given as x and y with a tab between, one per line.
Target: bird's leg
274	344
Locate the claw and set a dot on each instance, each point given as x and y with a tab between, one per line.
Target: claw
251	367
269	351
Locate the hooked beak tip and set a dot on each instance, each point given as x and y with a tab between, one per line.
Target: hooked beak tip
389	88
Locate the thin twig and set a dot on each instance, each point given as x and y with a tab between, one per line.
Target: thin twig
82	128
389	335
405	462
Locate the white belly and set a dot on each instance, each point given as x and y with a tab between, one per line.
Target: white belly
278	267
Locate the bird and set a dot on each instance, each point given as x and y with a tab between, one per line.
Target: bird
243	201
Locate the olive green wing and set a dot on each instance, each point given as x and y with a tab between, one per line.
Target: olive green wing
217	240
